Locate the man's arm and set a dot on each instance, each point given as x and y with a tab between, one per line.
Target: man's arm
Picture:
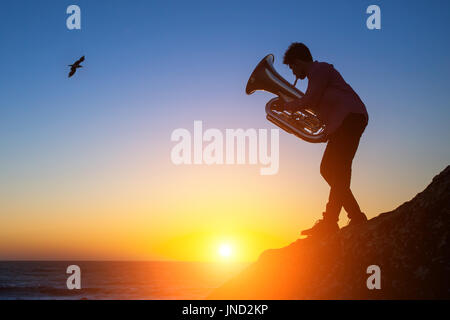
317	84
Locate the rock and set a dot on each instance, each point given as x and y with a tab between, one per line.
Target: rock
410	245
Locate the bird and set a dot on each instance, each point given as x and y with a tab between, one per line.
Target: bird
75	66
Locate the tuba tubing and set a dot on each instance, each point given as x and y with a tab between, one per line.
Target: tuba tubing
305	123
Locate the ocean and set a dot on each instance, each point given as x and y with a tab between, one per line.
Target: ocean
149	280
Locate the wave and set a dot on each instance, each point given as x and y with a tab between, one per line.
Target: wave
46	291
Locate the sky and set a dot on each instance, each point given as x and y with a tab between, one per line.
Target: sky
85	168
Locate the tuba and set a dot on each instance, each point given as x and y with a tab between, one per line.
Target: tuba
305	123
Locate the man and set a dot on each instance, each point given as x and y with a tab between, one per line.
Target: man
345	117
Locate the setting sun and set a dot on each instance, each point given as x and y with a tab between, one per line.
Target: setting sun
225	250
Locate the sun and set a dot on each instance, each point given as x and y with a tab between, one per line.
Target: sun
225	250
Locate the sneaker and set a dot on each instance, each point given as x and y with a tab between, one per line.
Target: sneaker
358	219
321	228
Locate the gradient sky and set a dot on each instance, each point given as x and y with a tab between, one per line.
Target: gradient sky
85	170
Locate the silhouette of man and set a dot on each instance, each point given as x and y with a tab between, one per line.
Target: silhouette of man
345	117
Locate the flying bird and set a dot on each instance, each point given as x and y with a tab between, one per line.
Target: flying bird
75	66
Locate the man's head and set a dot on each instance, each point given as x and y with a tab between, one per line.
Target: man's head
298	58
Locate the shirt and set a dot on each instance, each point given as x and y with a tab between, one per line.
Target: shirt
330	96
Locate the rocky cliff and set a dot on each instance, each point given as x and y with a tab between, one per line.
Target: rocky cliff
410	244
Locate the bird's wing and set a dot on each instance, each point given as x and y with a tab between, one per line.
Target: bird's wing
72	72
77	63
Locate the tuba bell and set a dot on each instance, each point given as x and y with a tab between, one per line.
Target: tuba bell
305	123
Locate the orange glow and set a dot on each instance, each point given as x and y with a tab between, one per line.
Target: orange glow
165	212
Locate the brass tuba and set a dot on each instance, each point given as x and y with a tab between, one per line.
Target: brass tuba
305	123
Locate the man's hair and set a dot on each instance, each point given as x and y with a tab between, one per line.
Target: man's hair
299	51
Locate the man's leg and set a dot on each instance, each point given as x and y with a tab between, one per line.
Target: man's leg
340	192
328	224
345	145
336	169
328	170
